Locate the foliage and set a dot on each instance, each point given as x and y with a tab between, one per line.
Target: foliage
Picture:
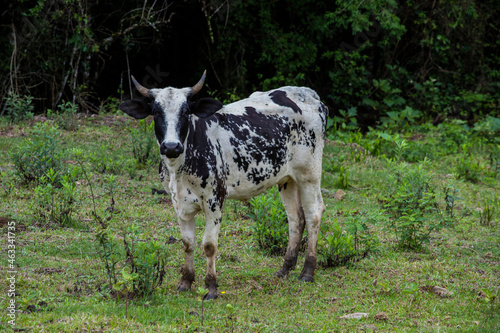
18	107
411	202
488	210
271	227
343	180
450	199
340	246
56	196
65	115
146	258
389	62
34	157
467	169
143	141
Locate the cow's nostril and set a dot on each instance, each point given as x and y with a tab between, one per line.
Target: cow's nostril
171	149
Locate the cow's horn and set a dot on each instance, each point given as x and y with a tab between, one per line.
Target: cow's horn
197	87
144	91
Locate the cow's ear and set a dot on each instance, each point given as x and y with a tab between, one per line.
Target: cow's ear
136	108
205	107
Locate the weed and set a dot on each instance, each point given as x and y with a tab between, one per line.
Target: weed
34	157
490	296
18	107
338	246
126	285
487	211
65	116
343	179
467	169
410	200
56	199
143	141
7	185
146	258
450	198
201	293
271	228
230	317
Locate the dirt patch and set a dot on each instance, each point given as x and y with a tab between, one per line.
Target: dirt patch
3	221
49	270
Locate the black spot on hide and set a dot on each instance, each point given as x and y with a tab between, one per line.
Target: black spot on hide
279	97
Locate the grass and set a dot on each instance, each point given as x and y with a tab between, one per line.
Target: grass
60	278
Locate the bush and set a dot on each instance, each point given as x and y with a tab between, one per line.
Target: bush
65	116
19	108
34	157
411	201
271	227
467	169
338	246
143	141
56	201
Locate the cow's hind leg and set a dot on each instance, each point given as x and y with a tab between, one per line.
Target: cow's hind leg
312	203
296	221
187	227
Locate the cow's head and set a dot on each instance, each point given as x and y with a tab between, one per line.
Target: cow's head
172	109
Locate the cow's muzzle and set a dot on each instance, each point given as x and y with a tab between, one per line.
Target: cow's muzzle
171	149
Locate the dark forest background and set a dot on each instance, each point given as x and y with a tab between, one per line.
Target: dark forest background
426	59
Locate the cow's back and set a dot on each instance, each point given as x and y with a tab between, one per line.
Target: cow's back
267	138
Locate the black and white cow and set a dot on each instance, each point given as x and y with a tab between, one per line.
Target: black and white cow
213	152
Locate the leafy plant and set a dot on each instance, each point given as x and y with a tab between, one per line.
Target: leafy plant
18	107
271	228
339	246
410	200
34	157
343	179
143	141
488	210
230	317
201	294
65	116
147	259
56	199
126	285
467	169
6	184
450	198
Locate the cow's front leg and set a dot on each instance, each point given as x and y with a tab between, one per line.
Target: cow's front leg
187	226
210	241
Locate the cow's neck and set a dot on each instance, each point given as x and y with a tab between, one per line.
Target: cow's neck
173	164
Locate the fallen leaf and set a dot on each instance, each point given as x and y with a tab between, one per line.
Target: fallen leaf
442	292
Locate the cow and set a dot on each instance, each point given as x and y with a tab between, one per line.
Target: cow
212	152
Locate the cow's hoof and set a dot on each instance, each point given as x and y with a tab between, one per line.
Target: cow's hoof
280	274
210	296
306	278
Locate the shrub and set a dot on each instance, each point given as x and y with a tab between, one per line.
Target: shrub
410	201
146	259
34	157
271	227
338	246
143	141
467	169
65	116
55	201
19	107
